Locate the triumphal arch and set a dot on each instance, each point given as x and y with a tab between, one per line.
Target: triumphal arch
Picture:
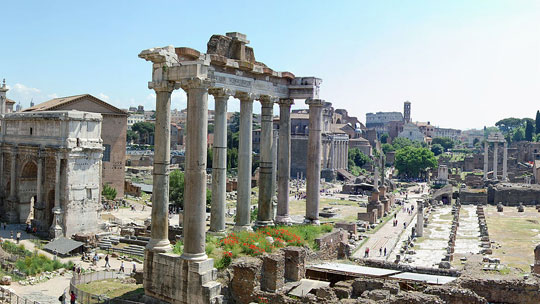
50	170
227	69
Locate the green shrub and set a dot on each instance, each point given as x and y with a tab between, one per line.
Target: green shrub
109	192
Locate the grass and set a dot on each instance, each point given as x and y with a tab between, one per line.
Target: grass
113	288
38	263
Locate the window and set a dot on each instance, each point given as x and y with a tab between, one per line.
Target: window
31	131
89	193
107	153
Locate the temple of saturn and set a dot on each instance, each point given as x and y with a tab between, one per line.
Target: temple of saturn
228	69
50	164
496	139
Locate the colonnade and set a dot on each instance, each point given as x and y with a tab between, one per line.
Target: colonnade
195	171
495	159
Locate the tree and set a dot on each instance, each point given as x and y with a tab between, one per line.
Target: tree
519	135
446	142
358	158
508	125
529	131
234	124
384	138
109	192
437	149
144	129
176	188
387	148
476	141
537	122
132	136
411	161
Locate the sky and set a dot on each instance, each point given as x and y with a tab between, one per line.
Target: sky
462	64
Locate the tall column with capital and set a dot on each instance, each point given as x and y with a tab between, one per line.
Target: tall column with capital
159	238
243	202
264	214
486	160
219	162
38	204
13	181
313	170
505	162
275	139
284	161
195	186
56	229
495	159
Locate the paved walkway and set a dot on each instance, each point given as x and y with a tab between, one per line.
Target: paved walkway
388	235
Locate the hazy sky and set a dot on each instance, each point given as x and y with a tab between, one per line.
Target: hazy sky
462	64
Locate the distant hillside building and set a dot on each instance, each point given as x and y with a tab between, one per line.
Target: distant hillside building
113	133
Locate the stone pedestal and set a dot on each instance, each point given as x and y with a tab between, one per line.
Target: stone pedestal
171	279
313	170
273	272
56	230
536	267
295	263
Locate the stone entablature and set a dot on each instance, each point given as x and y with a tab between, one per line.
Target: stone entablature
50	170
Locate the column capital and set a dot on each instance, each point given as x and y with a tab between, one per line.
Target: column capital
285	102
195	83
244	96
314	102
162	86
267	100
221	93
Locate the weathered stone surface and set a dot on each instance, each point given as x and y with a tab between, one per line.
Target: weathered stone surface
365	284
455	295
246	278
295	263
504	291
326	294
273	271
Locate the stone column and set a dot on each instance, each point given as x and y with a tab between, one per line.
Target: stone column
39	204
313	170
346	155
195	186
284	161
275	139
56	229
219	162
495	160
243	203
505	162
13	181
332	155
159	239
420	219
2	190
264	214
486	160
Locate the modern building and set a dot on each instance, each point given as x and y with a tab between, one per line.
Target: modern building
134	118
113	134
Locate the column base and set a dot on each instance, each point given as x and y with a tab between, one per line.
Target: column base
194	256
243	228
157	245
283	220
261	224
218	233
56	232
315	222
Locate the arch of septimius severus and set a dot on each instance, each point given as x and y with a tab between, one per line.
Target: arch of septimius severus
227	69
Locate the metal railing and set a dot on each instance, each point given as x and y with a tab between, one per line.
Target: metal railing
9	297
88	298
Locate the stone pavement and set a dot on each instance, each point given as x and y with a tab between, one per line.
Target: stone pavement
388	235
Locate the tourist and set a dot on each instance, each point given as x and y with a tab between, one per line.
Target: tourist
18	236
404	226
134	267
380	251
121	267
62	298
12	234
107	261
384	251
73	297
